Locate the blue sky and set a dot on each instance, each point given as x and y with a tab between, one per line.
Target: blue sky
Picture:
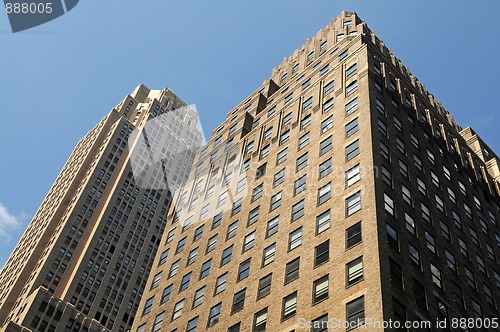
59	79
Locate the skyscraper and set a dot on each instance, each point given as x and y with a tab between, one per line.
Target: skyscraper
366	203
83	261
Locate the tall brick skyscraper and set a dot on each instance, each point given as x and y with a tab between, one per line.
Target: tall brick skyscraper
83	261
366	202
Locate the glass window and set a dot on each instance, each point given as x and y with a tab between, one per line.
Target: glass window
289	307
354	271
327	124
352	150
212	242
303	141
178	309
351	128
299	185
301	162
238	300
329	87
226	255
353	175
166	294
351	71
220	284
205	268
275	201
353	235
298	210
264	286
323	222
320	289
269	254
322	253
351	106
324	193
244	270
213	317
249	241
272	226
260	321
351	88
292	270
295	239
353	203
356	312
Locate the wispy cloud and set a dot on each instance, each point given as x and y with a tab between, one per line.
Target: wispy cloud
8	222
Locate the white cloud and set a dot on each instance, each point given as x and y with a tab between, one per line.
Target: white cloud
8	222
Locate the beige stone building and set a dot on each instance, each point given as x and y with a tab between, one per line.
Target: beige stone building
358	199
83	261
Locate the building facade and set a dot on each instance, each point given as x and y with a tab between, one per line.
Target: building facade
83	261
357	200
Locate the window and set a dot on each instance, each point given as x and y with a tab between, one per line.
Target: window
320	289
212	242
353	235
198	232
192	324
450	260
392	237
380	107
238	300
389	204
343	55
166	294
292	270
222	199
275	201
470	278
320	324
356	312
231	230
148	305
414	255
386	176
216	220
192	256
431	242
354	271
163	257
213	317
244	270
306	84
235	328
351	128
156	280
253	216
269	254
159	321
289	307
279	178
353	203
480	263
382	127
396	274
464	250
322	253
400	145
185	281
324	193
353	175
301	162
410	223
257	193
351	71
445	230
351	88
170	236
264	286
220	284
303	141
264	151
240	186
323	70
323	222
272	226
384	151
352	150
327	124
226	255
307	104
305	122
406	195
288	98
178	309
351	106
299	185
260	321
295	239
249	241
205	268
281	156
297	210
436	276
285	136
328	88
328	105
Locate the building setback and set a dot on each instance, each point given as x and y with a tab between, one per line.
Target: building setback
357	198
83	261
